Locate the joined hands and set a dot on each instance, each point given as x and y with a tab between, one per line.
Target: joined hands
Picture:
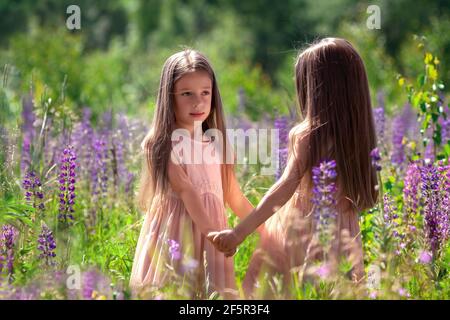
225	241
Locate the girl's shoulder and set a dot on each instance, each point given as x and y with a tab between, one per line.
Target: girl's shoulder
299	136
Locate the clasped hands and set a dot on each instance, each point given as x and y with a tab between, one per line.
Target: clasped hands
225	241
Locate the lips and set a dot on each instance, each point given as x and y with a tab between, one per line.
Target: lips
196	114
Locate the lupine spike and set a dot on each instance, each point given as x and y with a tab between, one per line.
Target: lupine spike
47	245
324	192
67	181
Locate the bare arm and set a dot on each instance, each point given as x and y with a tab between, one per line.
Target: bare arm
275	198
239	203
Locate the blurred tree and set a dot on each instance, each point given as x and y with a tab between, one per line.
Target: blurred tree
146	17
403	17
11	13
277	26
101	20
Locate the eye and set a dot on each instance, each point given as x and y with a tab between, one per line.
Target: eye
205	93
186	94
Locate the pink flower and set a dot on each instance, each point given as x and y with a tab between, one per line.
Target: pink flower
402	292
425	257
323	271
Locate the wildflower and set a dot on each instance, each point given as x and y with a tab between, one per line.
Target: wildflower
323	271
282	156
375	156
190	265
82	141
410	191
436	219
47	245
324	190
95	285
99	168
373	295
425	257
403	293
28	133
7	239
281	124
399	130
67	180
33	190
174	249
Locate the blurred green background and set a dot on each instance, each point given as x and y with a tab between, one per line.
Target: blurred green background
114	61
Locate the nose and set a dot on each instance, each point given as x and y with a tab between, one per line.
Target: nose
197	101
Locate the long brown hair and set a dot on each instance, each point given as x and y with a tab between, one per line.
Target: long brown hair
334	100
157	145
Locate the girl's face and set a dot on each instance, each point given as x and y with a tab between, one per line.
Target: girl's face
192	99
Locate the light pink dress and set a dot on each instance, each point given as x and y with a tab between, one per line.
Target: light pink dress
204	268
291	229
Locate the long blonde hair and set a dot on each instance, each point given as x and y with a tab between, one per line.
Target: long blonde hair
334	100
157	144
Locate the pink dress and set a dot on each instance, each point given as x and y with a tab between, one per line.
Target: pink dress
292	244
158	261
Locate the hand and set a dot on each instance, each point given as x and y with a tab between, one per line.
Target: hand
225	241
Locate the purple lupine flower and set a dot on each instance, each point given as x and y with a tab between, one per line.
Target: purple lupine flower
445	126
379	117
30	292
82	142
281	123
390	212
33	190
67	180
95	282
436	220
375	156
411	188
99	168
282	156
54	146
89	284
324	190
445	120
123	135
174	249
444	171
429	151
47	245
380	123
410	120
120	142
129	183
399	130
390	218
445	131
28	133
7	240
106	123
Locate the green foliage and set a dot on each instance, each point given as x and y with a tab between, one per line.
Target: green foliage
114	63
423	94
